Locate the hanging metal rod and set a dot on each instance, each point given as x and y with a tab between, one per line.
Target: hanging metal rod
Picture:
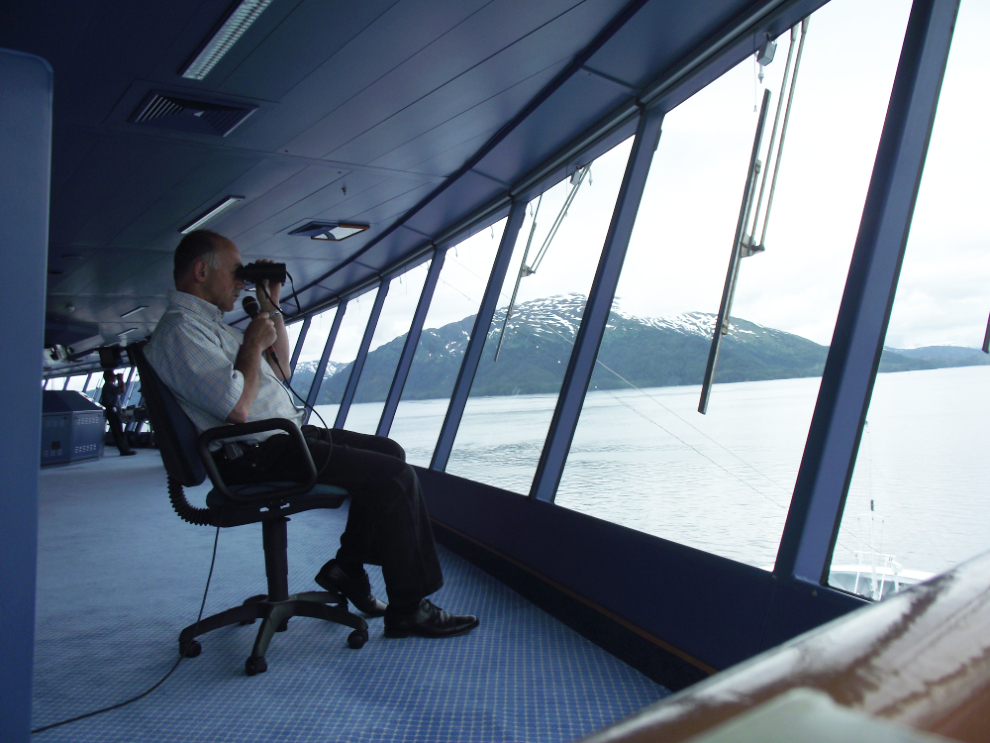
576	180
722	324
519	276
527	269
783	132
745	244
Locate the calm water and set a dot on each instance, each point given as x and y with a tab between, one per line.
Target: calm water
722	482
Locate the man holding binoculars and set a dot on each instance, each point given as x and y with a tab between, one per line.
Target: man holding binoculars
223	375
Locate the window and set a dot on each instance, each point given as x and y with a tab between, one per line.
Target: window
512	399
311	352
133	388
342	356
446	332
386	347
76	383
95	386
292	331
642	455
918	500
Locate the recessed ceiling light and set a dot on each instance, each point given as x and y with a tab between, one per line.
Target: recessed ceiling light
129	330
329	230
134	311
211	213
239	21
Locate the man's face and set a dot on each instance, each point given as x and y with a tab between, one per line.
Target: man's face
222	287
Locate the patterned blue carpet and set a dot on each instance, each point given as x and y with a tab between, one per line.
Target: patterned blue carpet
119	575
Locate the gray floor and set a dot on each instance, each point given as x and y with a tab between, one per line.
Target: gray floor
119	574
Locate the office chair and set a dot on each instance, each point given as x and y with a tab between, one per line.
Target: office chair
186	456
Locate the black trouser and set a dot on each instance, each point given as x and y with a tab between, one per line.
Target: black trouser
387	525
117	430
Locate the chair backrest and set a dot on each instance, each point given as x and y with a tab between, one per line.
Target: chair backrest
175	434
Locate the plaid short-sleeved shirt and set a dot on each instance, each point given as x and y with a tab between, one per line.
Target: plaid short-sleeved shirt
194	352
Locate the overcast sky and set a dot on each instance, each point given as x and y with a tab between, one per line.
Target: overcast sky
679	251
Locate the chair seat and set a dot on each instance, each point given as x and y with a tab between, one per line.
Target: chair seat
215	499
229	512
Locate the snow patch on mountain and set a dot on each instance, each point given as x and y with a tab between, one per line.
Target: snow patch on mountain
310	367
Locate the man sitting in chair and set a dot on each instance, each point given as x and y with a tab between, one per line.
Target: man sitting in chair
222	375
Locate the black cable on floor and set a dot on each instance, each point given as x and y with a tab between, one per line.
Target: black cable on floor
161	681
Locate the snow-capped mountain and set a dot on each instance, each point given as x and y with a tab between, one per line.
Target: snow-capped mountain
537	342
309	367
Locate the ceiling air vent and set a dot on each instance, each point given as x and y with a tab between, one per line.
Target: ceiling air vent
180	114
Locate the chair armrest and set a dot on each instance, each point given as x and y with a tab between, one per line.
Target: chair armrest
243	429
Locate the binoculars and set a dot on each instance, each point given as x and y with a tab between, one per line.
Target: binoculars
254	273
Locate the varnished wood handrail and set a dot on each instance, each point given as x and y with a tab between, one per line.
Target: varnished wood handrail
920	658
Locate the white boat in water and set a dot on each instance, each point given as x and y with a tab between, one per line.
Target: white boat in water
875	575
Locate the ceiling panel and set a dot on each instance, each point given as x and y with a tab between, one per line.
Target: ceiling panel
159	228
221	172
163	169
56	41
482	120
306	38
93	185
659	36
132	273
275	200
488	53
337	283
70	147
460	109
574	107
396	35
471	192
453	158
68	275
104	274
389	250
386	212
328	202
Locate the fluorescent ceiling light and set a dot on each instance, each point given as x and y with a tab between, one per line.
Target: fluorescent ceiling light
329	230
239	21
129	330
211	214
134	311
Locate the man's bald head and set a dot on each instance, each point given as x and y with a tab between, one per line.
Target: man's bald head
206	266
201	245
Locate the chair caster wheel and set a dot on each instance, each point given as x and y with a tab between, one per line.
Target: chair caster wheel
190	649
357	639
253	666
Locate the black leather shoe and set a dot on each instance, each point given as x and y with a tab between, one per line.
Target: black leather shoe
356	590
428	621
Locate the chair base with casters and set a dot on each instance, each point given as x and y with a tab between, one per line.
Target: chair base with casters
188	461
275	608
